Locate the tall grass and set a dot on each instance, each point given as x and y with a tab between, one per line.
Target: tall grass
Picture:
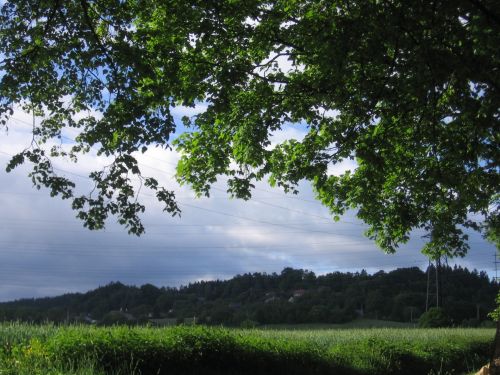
83	350
425	336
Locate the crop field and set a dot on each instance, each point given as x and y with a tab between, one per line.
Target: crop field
82	350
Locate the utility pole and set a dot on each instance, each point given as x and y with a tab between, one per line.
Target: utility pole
496	262
438	281
428	286
437	284
437	287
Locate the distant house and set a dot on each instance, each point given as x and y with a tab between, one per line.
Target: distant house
124	314
298	293
163	322
128	316
89	320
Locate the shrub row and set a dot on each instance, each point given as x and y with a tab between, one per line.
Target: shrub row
202	350
187	350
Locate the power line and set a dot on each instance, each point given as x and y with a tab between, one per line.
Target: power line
219	212
148	271
281	194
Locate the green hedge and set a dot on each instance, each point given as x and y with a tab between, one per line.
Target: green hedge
202	350
188	350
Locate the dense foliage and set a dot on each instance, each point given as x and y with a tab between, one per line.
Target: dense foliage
434	317
293	296
45	350
410	90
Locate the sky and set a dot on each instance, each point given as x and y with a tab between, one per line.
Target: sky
45	251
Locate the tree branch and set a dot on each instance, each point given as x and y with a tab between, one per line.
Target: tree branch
89	22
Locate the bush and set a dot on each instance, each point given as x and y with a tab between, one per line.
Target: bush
472	322
495	314
488	324
433	318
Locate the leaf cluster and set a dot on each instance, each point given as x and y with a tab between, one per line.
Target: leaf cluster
410	91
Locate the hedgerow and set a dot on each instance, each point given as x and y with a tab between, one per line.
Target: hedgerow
203	350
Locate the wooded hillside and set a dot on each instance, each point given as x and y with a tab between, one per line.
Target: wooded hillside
293	296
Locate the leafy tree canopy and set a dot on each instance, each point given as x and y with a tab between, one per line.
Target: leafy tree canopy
410	90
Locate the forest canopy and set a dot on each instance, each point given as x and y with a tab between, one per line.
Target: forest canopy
409	90
293	296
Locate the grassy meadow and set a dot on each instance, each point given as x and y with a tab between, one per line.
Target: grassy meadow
83	350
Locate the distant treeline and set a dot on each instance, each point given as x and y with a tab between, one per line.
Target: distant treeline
293	296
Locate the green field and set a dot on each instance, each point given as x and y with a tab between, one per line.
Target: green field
358	323
83	350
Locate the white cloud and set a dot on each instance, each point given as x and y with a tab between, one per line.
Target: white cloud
288	132
342	167
180	110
